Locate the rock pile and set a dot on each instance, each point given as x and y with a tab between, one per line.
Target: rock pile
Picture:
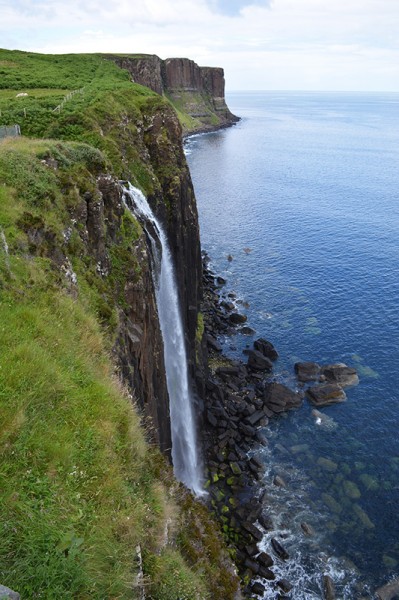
240	398
331	380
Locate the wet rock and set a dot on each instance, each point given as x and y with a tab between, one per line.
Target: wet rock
220	280
307	529
247	330
252	565
237	318
266	522
284	585
307	371
265	559
228	306
266	348
253	530
279	549
258	589
279	481
266	573
328	588
279	397
259	362
251	550
389	591
323	395
341	374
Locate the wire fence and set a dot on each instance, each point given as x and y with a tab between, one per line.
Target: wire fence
66	98
9	131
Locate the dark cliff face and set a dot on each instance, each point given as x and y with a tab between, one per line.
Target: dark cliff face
197	91
175	205
138	348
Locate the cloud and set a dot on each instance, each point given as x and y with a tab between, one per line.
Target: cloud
262	44
234	7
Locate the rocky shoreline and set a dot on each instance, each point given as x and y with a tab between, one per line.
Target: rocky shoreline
240	399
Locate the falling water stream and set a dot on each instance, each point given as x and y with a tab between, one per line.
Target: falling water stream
185	457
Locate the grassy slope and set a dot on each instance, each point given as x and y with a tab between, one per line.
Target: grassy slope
80	488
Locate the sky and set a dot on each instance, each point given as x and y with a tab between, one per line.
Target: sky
261	44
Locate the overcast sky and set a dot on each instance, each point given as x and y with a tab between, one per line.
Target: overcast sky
261	44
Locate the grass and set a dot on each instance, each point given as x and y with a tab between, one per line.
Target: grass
81	488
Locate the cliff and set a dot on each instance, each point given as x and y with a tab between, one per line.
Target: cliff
89	506
196	92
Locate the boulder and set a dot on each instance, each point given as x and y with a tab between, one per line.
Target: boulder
266	348
255	417
279	397
341	374
284	585
237	318
266	573
323	395
255	533
388	591
265	559
247	330
307	529
213	344
258	589
258	362
307	371
328	588
279	550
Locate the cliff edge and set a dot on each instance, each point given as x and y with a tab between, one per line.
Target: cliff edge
89	507
197	93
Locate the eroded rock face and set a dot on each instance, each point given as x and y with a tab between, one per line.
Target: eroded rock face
199	90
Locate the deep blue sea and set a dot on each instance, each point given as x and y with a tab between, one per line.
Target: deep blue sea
304	194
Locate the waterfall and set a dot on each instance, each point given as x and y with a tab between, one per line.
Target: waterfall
185	457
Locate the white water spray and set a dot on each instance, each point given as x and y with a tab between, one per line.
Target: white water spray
186	464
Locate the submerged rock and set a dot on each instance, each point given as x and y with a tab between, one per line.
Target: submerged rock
323	395
324	421
327	464
351	489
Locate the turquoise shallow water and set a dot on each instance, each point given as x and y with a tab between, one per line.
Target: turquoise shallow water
304	194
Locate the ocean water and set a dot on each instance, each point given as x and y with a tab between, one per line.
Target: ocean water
304	194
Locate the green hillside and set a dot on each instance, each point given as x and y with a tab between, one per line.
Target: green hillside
82	491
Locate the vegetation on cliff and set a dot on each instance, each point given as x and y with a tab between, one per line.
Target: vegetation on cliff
83	493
